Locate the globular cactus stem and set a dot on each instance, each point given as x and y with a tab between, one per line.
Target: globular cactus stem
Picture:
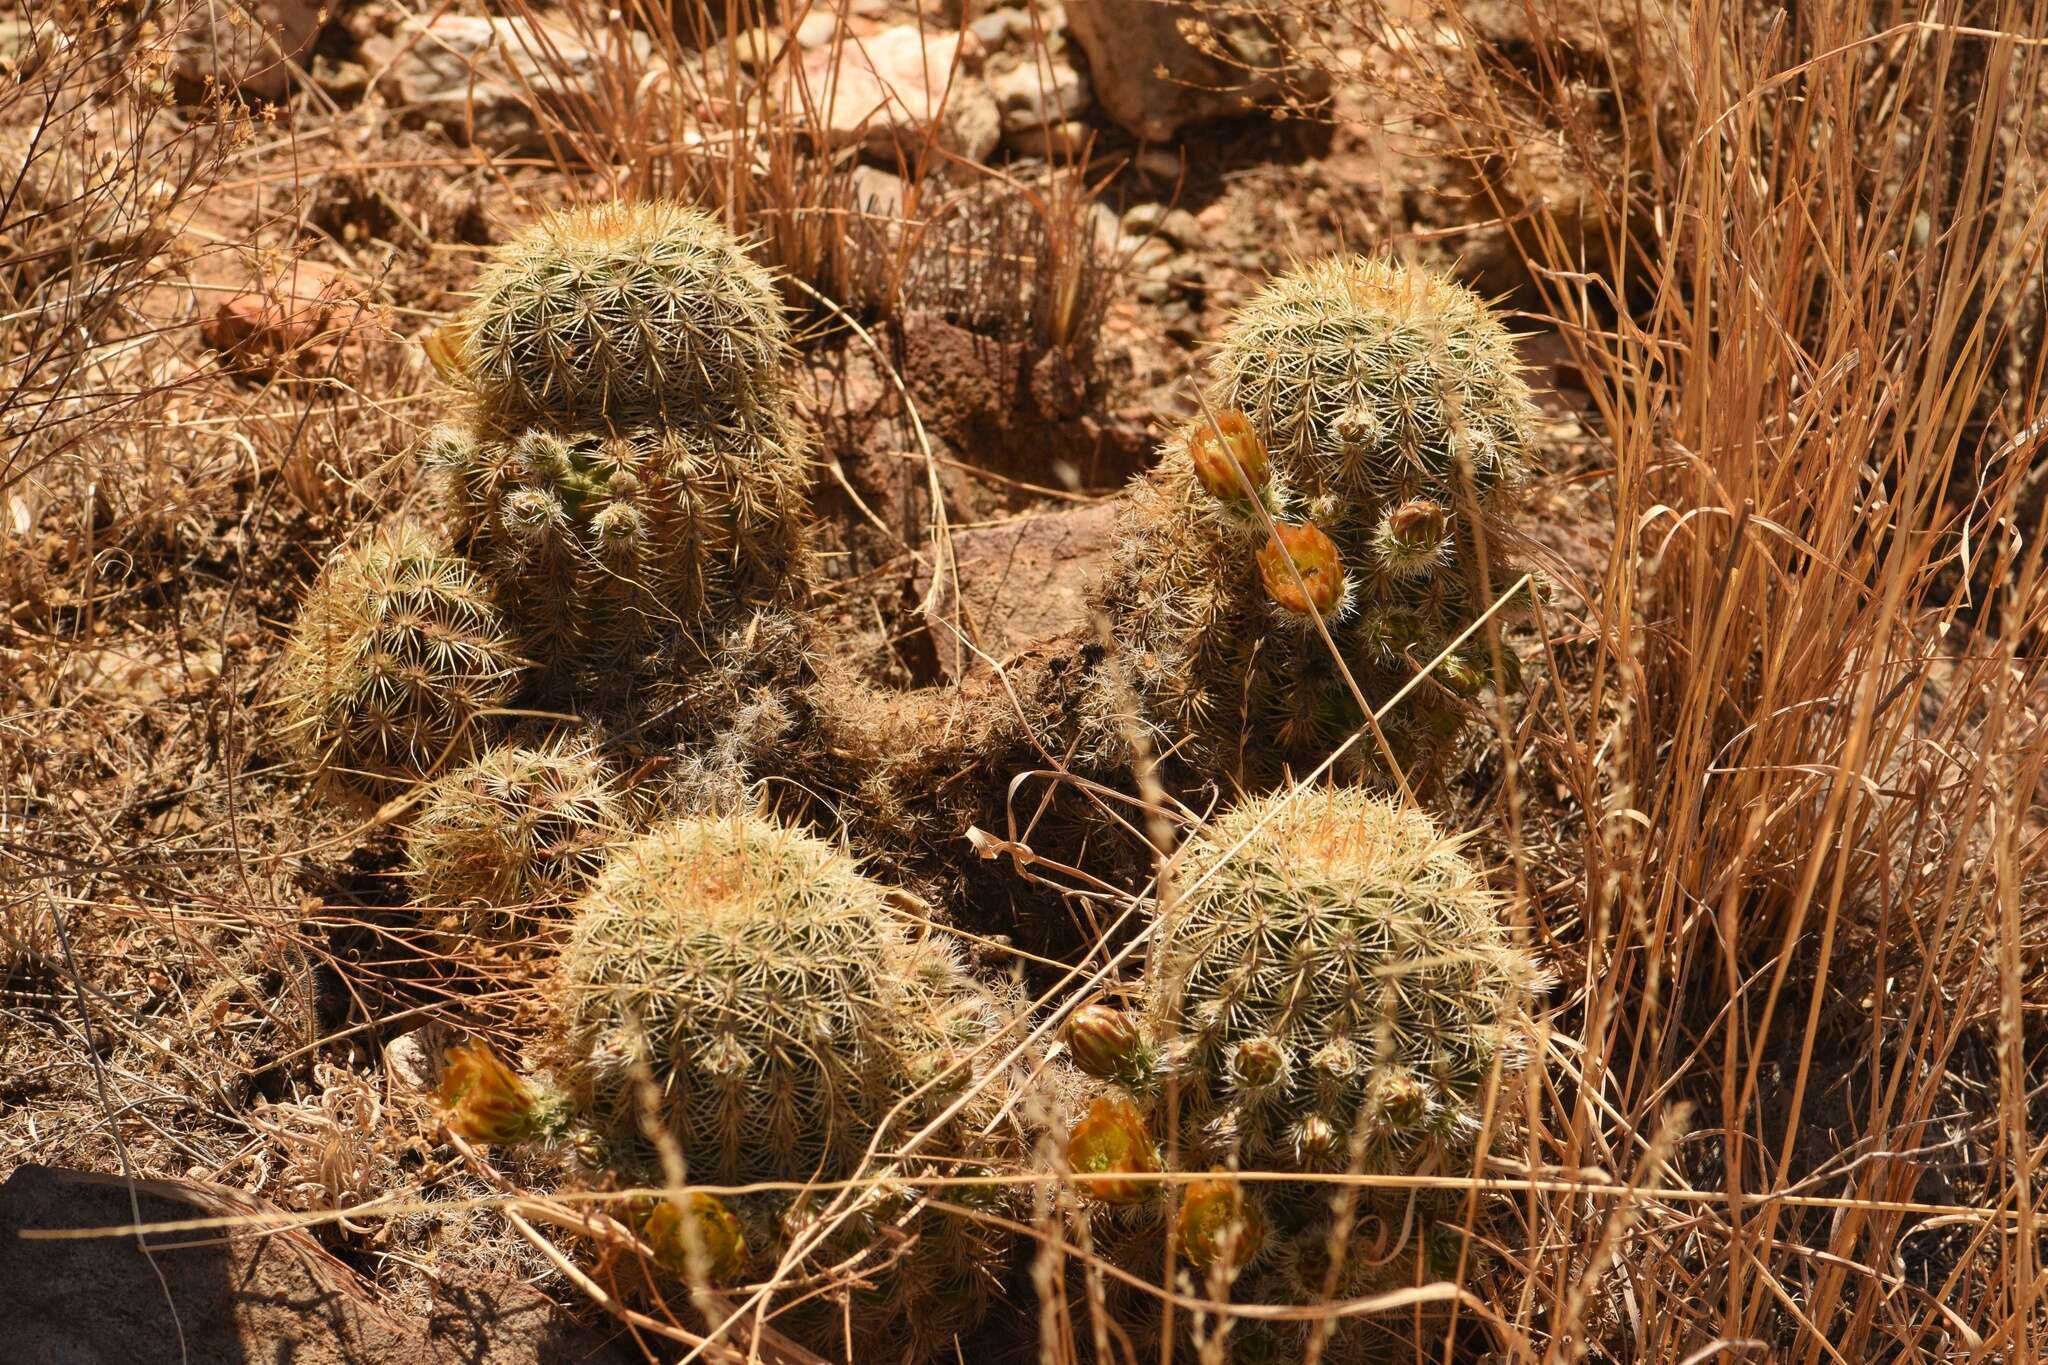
1337	986
624	312
522	826
397	654
1364	426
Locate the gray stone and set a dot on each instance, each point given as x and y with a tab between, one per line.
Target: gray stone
1039	90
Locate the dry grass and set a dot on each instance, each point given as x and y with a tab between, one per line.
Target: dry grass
1776	817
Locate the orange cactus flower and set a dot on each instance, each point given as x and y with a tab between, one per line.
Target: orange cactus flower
1110	1150
724	1244
1216	1223
483	1100
1230	459
1315	557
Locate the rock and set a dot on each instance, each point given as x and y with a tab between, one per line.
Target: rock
876	192
817	29
1062	141
1142	220
472	75
999	28
1158	163
888	91
1023	584
1154	81
246	50
303	320
1182	229
1034	93
279	1296
1144	253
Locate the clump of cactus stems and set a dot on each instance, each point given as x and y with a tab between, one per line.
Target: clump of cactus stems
519	827
1363	431
397	655
631	461
747	991
1334	990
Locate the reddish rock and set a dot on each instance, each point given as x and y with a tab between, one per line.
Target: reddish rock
1021	584
303	321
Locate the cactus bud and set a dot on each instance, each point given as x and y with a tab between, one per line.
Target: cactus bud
1315	558
1105	1043
1259	1063
543	454
480	1099
1217	1223
1314	1138
617	527
1230	459
1413	540
1113	1142
1399	1099
720	1241
529	515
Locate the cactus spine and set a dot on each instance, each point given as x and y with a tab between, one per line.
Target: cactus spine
1380	414
397	651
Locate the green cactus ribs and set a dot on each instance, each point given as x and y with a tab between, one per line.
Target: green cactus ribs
397	653
629	311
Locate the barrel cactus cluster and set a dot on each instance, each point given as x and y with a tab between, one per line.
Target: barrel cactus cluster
732	994
1321	536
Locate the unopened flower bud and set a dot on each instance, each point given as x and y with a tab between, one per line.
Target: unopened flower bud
1104	1041
1259	1063
1400	1100
1229	458
1320	590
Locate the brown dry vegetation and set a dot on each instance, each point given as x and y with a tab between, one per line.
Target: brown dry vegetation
1773	811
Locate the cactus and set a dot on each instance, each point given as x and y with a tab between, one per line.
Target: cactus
784	1014
605	541
520	825
1337	973
397	651
625	312
631	462
1379	415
